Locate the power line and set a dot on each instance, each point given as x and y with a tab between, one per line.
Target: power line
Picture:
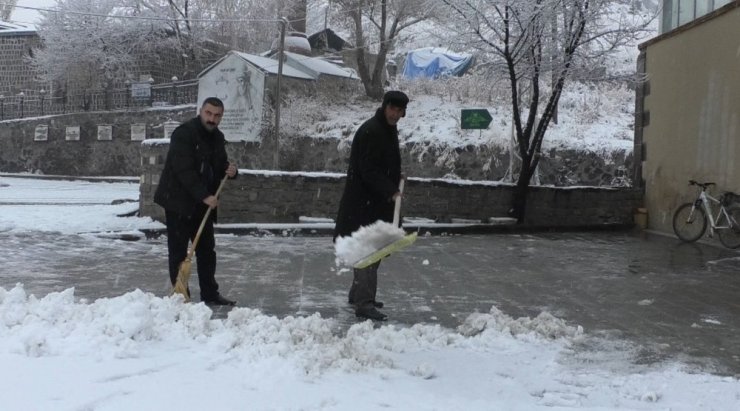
113	16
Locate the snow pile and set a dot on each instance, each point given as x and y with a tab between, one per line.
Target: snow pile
545	325
365	241
122	327
138	350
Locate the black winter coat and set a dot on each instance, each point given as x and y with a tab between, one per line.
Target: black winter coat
372	177
196	163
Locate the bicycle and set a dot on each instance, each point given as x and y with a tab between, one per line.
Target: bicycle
690	220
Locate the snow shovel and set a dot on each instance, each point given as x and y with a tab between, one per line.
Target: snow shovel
183	274
395	246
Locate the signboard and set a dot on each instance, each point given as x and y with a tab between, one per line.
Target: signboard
141	90
72	133
42	133
475	119
105	132
241	87
138	132
169	127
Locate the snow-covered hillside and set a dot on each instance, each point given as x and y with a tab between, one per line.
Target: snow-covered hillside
595	117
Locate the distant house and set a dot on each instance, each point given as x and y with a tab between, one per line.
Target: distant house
327	41
246	83
330	76
17	42
687	114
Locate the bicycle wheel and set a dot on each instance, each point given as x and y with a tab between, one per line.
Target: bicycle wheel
730	237
689	222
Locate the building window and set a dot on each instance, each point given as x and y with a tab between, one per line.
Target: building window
703	7
685	11
680	12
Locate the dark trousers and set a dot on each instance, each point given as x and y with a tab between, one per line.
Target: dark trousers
180	231
364	286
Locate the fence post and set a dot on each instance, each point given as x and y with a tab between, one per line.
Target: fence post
21	95
127	86
151	91
42	93
106	95
174	91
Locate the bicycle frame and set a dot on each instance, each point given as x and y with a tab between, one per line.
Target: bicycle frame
705	201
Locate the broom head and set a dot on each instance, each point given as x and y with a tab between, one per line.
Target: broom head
183	277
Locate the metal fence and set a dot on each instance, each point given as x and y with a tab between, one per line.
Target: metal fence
132	96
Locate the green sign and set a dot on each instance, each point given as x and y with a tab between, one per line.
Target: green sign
475	119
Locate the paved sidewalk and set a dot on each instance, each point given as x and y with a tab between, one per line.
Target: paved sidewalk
644	295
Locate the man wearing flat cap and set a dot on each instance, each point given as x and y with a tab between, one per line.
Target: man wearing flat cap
371	188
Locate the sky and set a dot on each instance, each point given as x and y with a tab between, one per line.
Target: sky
148	352
25	15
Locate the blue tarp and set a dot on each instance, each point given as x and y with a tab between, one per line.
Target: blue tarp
433	62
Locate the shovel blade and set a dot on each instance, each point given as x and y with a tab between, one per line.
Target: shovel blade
391	248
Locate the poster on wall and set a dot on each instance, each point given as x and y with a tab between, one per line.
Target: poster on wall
138	132
105	133
240	85
141	90
169	127
72	133
41	133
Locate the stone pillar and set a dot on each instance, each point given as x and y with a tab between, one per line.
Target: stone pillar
153	154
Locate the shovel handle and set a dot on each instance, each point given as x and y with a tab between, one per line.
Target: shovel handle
397	208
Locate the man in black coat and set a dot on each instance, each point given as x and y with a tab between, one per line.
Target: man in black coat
196	163
372	186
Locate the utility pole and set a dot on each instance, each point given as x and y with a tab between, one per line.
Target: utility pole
281	55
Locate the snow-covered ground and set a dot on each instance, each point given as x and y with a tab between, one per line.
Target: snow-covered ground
140	351
599	122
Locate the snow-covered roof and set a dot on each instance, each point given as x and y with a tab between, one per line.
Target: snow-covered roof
317	66
267	65
14	29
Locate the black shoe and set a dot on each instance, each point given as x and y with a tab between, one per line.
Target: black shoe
220	300
376	304
370	313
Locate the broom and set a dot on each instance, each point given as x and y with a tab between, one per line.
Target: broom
183	273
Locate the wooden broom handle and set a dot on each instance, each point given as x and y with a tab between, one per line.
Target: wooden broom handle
397	208
205	218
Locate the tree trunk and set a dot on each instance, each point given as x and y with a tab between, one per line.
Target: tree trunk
519	198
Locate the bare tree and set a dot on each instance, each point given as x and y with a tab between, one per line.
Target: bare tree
185	21
88	44
6	9
376	25
526	40
248	36
84	46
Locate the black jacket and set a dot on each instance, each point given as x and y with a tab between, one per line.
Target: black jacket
372	177
196	163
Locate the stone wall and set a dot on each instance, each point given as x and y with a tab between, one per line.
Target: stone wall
121	156
88	156
283	197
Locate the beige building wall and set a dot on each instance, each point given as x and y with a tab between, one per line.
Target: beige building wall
691	112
